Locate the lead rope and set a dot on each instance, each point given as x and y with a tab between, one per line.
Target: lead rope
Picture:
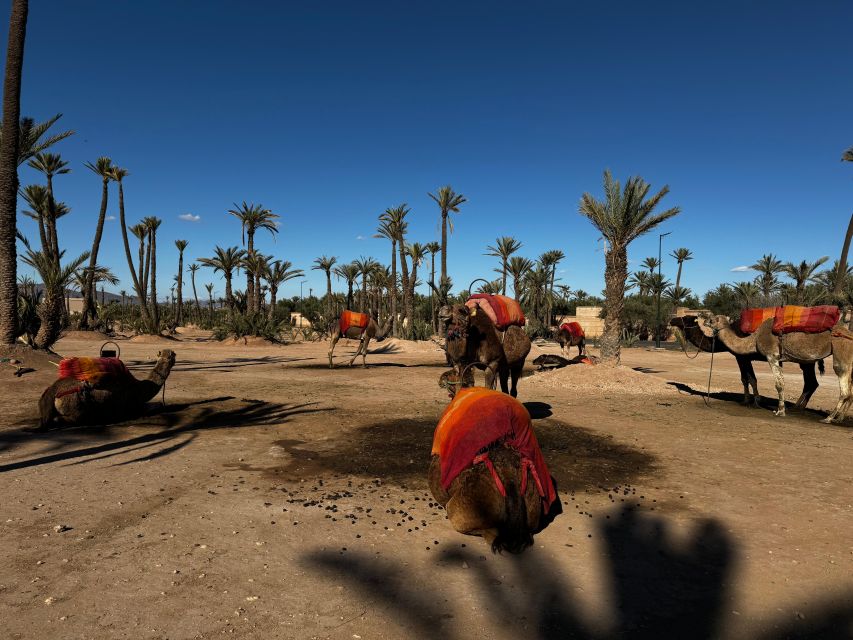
684	348
707	395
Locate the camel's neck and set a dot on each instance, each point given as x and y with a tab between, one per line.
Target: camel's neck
735	343
149	387
699	339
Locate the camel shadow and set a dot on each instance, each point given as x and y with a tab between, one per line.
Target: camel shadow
659	587
174	425
538	410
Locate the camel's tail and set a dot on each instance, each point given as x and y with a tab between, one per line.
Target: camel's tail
513	533
820	367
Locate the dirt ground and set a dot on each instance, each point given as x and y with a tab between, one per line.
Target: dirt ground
273	498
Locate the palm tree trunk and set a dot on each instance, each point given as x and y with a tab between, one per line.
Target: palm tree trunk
615	275
349	294
140	291
89	306
841	274
271	310
155	315
9	172
503	278
395	330
51	222
404	266
329	293
258	300
50	313
179	317
195	295
228	296
433	308
443	251
250	277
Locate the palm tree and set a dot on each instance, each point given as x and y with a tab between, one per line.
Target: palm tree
448	202
152	224
802	273
103	167
518	268
227	261
504	247
535	294
141	232
837	292
209	287
366	266
388	229
30	132
395	217
433	248
681	255
651	264
192	269
623	215
746	291
639	279
9	153
325	265
348	272
550	260
417	252
278	273
181	245
50	164
256	264
36	197
253	217
768	266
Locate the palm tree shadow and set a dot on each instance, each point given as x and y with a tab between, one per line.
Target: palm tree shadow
165	424
659	588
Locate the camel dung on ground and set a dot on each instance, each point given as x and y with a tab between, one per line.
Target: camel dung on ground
797	347
473	339
109	399
363	334
691	330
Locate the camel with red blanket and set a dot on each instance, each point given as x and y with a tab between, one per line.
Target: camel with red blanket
488	472
571	334
777	345
357	326
100	390
474	339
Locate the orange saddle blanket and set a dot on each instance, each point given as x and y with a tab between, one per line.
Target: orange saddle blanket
478	418
574	329
503	311
350	319
791	318
93	370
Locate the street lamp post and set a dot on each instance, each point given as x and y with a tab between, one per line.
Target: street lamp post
301	302
660	280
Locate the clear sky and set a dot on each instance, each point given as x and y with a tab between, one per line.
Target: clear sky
328	113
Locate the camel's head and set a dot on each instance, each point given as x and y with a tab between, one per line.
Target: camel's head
166	357
455	318
683	322
715	322
452	381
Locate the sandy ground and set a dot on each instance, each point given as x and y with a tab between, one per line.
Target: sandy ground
273	498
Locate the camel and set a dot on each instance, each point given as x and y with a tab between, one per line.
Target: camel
567	340
371	332
691	330
473	339
474	501
112	398
797	347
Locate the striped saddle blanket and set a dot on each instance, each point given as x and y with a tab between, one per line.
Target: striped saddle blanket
93	370
503	311
791	318
574	329
353	319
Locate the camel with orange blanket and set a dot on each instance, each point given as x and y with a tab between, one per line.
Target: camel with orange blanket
488	472
357	326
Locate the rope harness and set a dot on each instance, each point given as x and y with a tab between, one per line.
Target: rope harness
707	396
684	348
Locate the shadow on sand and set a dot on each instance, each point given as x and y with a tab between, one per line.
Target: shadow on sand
174	425
658	588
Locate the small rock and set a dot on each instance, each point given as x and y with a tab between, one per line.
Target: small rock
61	528
464	565
251	598
49	601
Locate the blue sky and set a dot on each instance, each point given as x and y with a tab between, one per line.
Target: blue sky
327	113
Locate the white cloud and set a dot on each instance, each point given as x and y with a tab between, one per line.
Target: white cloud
359	237
111	217
740	268
189	217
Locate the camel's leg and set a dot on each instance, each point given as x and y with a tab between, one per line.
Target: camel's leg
503	372
748	379
364	352
492	378
810	384
516	374
357	351
335	338
779	379
844	396
582	347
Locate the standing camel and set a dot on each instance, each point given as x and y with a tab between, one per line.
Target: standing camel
364	335
693	333
473	339
794	347
109	395
570	334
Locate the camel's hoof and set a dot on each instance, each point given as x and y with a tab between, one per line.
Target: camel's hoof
779	412
828	420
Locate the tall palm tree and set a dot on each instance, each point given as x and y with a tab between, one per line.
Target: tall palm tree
388	229
348	272
50	164
417	253
518	268
102	167
651	263
639	279
209	287
253	217
746	291
535	294
395	217
30	140
767	280
9	153
141	233
621	217
192	269
837	292
256	264
36	197
366	267
433	248
448	202
227	261
181	245
504	247
152	224
277	273
681	256
550	260
325	264
801	274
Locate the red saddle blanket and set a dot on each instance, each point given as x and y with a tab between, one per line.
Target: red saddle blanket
350	319
503	311
574	329
93	370
479	417
791	318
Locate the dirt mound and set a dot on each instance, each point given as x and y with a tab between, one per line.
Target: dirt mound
415	346
247	341
146	339
87	335
599	378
